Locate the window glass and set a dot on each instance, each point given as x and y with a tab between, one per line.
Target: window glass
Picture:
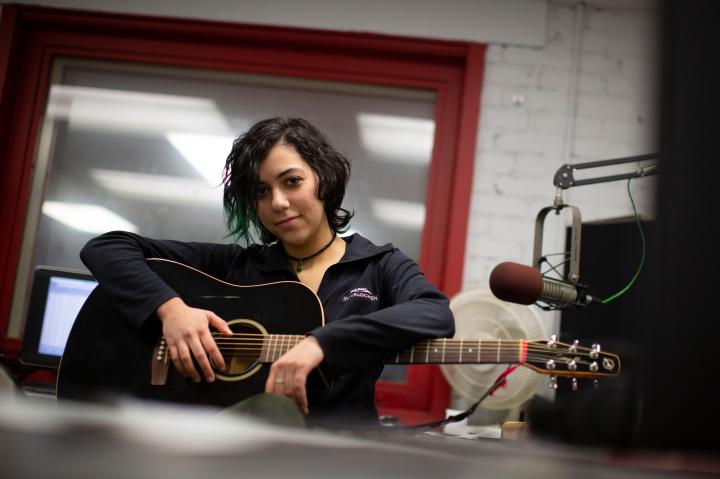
141	148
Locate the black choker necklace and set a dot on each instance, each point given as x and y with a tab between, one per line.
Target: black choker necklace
299	265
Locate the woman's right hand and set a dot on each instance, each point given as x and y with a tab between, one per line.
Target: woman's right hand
187	335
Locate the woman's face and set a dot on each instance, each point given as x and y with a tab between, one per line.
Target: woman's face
287	201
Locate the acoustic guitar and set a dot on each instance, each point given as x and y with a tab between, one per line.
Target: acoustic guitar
104	354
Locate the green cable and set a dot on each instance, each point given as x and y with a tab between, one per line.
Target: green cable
642	257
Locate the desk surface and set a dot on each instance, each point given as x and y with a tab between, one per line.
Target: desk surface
132	439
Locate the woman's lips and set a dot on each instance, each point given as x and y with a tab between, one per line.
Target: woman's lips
287	221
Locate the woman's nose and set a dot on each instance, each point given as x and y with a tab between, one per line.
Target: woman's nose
279	200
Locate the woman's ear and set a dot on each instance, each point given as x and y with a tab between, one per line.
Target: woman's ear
321	190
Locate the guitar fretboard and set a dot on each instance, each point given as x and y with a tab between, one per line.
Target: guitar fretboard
462	351
434	351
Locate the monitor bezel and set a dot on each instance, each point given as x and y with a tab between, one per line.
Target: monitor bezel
29	353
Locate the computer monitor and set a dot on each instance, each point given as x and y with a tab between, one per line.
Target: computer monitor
55	299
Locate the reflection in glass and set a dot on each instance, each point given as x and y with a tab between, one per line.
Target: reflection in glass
142	149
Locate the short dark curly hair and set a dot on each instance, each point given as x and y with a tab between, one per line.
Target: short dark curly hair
241	174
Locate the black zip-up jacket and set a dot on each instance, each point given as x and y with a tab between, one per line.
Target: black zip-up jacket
376	302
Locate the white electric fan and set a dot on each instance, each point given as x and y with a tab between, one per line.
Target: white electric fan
480	315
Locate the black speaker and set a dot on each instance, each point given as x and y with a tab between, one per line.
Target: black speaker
604	412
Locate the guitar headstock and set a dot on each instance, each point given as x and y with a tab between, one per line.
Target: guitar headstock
570	360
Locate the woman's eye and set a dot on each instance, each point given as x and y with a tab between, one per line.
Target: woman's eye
292	181
261	191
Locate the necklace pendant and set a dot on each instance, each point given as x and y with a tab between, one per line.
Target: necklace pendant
299	265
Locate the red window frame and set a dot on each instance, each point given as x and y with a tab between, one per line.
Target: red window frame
31	37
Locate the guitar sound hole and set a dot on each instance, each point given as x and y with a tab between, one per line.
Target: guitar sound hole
241	352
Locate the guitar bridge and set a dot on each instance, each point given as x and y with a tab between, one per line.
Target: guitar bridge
159	367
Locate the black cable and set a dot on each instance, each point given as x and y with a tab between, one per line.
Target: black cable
457	417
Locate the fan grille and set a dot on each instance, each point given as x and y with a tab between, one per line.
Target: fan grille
480	315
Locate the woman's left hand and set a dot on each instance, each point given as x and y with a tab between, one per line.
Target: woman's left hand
288	375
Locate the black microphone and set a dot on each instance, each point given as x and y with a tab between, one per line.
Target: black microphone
522	284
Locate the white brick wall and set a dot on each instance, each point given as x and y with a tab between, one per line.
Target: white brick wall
527	113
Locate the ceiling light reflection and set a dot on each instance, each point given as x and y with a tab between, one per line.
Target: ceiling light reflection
397	138
87	218
134	112
160	188
402	214
205	153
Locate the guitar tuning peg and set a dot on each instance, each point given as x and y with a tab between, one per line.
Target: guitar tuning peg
595	351
574	346
574	384
553	341
553	382
596	383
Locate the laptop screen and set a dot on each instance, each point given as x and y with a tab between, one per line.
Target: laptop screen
56	298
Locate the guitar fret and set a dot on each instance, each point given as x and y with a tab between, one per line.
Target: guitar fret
427	352
461	348
443	352
397	358
498	351
520	352
479	349
412	353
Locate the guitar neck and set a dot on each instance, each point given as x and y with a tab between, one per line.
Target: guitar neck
462	351
434	351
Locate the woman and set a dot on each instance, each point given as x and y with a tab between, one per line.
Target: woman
284	182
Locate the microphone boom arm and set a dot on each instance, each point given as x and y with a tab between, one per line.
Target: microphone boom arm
563	180
564	175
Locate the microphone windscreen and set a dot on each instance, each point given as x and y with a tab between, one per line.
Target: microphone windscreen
516	283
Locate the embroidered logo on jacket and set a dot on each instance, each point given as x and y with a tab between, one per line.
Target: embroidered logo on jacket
362	293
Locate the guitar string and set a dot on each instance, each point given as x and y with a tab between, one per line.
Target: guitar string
450	348
417	349
449	343
489	356
486	353
510	360
448	351
470	358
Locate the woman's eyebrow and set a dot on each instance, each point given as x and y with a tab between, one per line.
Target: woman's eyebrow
285	172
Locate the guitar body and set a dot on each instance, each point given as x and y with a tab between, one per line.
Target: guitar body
106	355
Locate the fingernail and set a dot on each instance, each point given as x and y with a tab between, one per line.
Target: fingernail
210	379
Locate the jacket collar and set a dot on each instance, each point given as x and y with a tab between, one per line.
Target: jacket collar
359	248
273	258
